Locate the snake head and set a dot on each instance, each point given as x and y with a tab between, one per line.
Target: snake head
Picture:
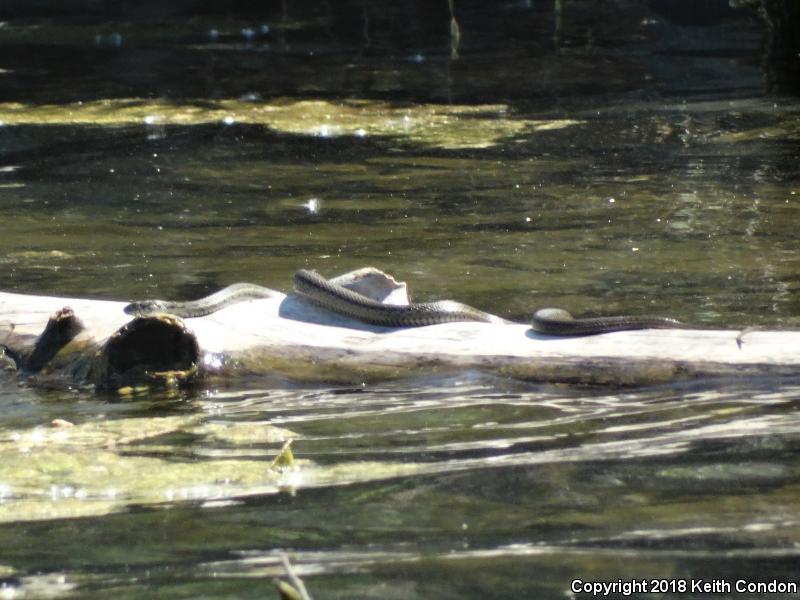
145	307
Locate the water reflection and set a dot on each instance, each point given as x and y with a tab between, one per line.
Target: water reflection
170	208
470	467
349	435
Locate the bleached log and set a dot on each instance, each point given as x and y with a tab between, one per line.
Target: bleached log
287	336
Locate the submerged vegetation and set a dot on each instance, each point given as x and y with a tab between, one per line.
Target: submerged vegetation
98	467
429	125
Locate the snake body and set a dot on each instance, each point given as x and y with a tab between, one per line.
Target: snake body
557	321
343	301
202	307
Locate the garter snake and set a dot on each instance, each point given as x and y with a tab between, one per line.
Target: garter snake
343	301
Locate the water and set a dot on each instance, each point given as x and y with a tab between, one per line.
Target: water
608	161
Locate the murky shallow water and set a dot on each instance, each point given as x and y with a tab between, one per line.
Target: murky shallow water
454	485
664	181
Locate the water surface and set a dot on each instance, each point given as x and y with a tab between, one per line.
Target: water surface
612	159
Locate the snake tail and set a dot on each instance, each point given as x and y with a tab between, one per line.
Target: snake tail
557	321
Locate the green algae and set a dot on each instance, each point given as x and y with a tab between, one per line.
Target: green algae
100	467
429	125
106	466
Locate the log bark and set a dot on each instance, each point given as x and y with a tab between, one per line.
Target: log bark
77	341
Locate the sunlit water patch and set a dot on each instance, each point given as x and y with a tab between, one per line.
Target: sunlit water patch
439	126
222	445
460	469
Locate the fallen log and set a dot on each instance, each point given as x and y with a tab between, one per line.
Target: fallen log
77	341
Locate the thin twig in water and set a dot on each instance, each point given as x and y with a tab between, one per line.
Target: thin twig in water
293	578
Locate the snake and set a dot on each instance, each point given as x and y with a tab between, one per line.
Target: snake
232	294
339	299
557	321
329	295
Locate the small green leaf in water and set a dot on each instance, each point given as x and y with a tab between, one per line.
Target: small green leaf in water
286	591
285	458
